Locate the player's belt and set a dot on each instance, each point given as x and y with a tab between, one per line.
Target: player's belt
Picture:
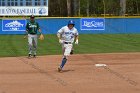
33	33
67	42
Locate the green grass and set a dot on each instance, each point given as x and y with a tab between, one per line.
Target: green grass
15	45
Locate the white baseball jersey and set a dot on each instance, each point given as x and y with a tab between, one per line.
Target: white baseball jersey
68	35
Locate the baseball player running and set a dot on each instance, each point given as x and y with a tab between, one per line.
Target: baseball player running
66	36
32	27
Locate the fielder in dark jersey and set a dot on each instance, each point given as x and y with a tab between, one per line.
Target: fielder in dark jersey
32	28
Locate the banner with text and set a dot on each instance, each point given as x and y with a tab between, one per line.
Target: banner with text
13	25
23	10
92	24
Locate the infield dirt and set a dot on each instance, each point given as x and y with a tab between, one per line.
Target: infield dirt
80	75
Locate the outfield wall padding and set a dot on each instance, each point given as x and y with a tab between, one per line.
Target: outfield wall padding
112	26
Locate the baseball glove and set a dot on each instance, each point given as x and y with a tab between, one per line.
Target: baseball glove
41	37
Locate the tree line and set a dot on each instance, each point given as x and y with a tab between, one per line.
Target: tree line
89	8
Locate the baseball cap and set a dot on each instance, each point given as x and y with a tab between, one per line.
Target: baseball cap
32	16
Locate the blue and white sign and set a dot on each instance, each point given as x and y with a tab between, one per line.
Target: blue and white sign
92	24
23	10
13	25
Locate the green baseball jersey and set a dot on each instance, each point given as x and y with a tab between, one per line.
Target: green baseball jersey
32	27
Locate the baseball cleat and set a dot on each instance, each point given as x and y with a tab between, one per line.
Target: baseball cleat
29	56
59	69
34	56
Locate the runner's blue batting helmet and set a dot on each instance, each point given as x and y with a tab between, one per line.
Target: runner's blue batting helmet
71	22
